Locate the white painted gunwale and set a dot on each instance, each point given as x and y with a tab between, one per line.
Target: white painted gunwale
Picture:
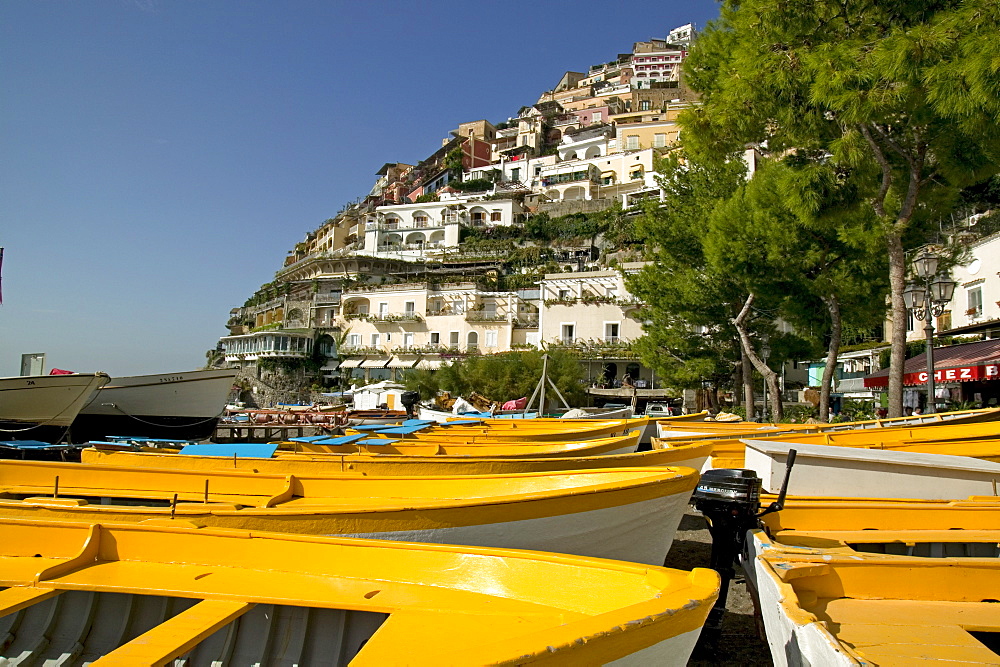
637	532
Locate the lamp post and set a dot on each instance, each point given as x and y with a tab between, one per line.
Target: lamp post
765	352
926	298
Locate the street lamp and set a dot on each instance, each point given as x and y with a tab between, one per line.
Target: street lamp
926	298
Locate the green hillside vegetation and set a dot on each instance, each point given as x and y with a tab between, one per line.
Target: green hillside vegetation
503	377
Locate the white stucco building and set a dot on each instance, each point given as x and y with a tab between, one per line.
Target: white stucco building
416	231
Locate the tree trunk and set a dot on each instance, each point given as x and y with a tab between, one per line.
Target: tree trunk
897	282
832	351
746	374
770	377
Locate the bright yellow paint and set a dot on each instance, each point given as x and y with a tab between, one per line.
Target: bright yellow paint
345	503
386	464
694	416
888	608
956	438
446	604
177	635
480	447
520	430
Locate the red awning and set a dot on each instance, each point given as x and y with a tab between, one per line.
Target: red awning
959	363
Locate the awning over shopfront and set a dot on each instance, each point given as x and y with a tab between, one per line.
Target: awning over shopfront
970	362
398	362
853	387
374	363
429	364
351	362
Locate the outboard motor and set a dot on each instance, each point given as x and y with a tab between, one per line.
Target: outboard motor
410	399
730	500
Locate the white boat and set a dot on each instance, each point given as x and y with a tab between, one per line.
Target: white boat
825	471
42	407
658	410
441	416
180	406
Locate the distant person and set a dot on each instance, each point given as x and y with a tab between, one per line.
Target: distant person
627	381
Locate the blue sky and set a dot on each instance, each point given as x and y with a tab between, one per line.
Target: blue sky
159	157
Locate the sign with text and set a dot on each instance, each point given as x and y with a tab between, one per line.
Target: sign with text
959	374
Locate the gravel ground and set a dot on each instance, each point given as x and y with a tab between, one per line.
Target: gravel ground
740	643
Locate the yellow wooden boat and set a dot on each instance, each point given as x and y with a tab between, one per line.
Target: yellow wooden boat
871	582
979	440
119	594
689	456
710	429
622	444
911	527
694	416
949	437
623	513
514	430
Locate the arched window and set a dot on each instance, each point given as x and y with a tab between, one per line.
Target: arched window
421	219
473	340
479	216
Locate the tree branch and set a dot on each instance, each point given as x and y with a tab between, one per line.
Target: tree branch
879	200
894	145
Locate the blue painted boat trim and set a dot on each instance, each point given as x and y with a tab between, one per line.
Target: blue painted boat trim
341	439
34	444
402	430
237	449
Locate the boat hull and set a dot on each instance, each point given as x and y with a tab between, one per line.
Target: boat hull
639	532
474	446
825	471
153	594
442	416
180	406
620	513
823	602
42	407
689	456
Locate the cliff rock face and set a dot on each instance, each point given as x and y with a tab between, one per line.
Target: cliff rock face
266	388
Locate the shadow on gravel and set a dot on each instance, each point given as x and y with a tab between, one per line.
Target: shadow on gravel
692	522
739	643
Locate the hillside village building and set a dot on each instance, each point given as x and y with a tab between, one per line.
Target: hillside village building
377	289
416	231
